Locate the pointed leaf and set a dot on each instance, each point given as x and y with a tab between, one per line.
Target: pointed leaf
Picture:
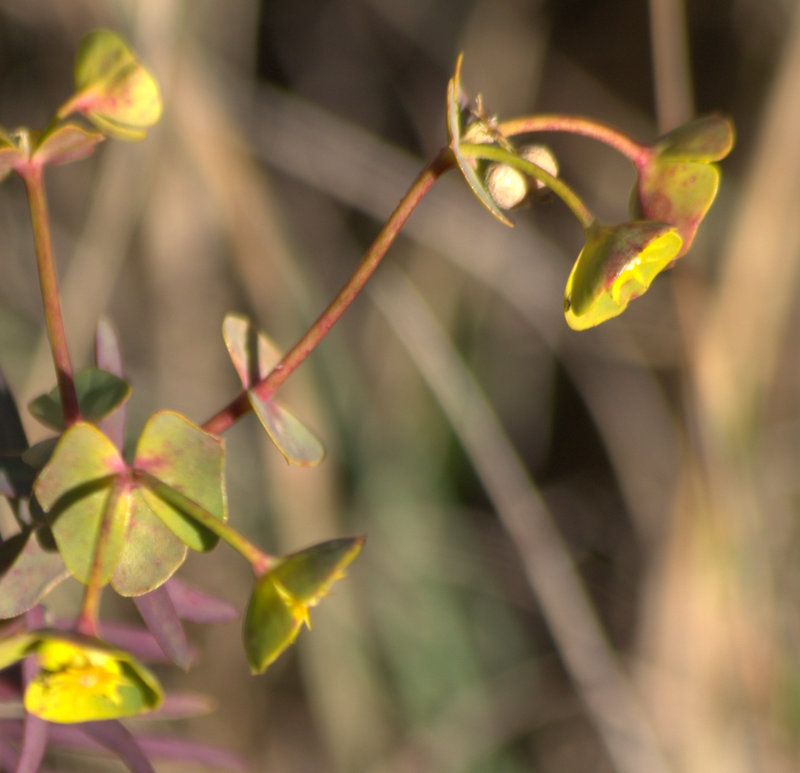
617	264
99	393
199	607
82	680
282	597
66	143
114	91
78	490
29	570
254	355
158	612
466	165
190	461
117	738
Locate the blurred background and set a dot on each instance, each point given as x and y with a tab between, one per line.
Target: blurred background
582	547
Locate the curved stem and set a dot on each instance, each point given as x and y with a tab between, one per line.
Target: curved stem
34	184
257	558
559	187
576	124
269	384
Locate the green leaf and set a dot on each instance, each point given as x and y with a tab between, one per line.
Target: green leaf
150	554
254	355
677	182
29	570
708	138
79	491
184	458
66	143
99	393
679	193
616	265
290	436
457	131
83	680
282	597
114	90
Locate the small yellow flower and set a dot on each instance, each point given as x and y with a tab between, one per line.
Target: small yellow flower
82	680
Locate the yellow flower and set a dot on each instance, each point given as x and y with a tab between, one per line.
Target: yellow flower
82	679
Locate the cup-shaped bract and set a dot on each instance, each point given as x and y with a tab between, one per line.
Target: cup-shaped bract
113	90
82	680
282	597
677	179
616	265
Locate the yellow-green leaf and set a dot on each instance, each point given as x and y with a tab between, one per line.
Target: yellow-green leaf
283	596
113	90
616	264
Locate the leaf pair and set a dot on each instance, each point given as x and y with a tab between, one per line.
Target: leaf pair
254	355
131	524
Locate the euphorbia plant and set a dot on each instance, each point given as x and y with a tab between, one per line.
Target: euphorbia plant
87	508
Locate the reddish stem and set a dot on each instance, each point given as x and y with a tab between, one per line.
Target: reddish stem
32	174
576	124
270	383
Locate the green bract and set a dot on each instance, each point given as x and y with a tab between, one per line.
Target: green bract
282	597
677	180
616	264
114	91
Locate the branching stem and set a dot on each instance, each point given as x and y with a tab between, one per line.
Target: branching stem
328	318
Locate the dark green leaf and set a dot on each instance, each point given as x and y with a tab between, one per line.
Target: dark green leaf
99	393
